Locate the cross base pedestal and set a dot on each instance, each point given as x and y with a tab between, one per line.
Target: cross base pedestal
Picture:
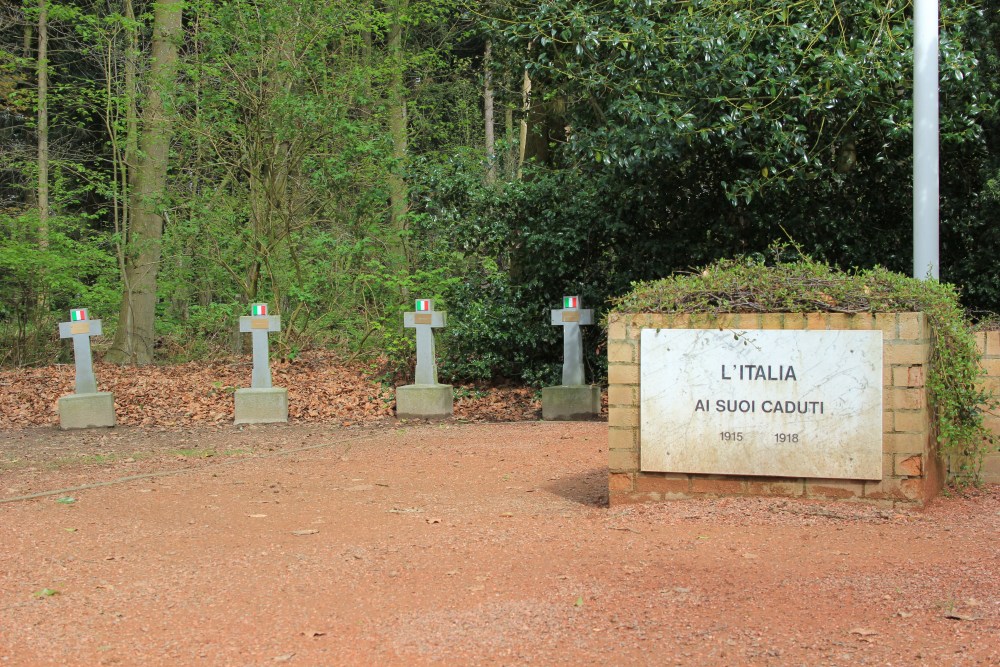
424	401
571	403
95	410
261	406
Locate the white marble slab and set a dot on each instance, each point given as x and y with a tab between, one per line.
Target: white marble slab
771	403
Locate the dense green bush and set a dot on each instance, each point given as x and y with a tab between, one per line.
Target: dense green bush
40	283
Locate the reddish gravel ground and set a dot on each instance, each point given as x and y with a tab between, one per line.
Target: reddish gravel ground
455	544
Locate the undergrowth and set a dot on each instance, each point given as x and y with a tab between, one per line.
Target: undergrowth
792	282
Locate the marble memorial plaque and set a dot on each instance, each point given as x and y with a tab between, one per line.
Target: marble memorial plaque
772	403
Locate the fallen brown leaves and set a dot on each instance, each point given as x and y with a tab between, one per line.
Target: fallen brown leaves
321	388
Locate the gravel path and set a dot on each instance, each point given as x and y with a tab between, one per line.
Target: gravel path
458	544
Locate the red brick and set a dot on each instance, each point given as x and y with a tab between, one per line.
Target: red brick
834	489
701	321
906	353
678	321
912	326
619	394
633	332
991	469
795	321
898	490
664	484
992	424
620	416
910	466
616	327
862	322
721	487
887	489
904	443
905	398
911	421
992	366
992	342
727	321
618	481
622	498
623	438
908	376
817	321
623	374
622	351
888	421
772	321
886	323
623	460
840	321
781	488
915	488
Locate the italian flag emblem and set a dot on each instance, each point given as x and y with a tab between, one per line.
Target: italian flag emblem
423	304
571	302
258	309
78	314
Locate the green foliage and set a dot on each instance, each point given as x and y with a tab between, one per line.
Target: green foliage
678	134
38	284
514	250
780	87
794	283
712	126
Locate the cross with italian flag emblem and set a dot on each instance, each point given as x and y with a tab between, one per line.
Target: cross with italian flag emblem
570	318
81	328
424	320
259	324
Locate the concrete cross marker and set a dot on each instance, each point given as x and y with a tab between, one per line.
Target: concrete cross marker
425	398
261	403
259	324
573	399
86	407
424	320
571	318
80	328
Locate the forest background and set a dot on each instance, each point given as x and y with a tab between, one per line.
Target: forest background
165	164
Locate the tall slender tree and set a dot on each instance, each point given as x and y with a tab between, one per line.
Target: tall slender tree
43	124
134	339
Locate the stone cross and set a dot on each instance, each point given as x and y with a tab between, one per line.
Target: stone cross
571	317
80	328
259	324
424	320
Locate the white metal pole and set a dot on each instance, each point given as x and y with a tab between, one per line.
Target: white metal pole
926	137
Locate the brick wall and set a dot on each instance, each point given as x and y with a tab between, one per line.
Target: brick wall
912	472
989	346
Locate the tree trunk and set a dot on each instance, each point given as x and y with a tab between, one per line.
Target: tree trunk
398	195
491	158
43	125
134	338
522	143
